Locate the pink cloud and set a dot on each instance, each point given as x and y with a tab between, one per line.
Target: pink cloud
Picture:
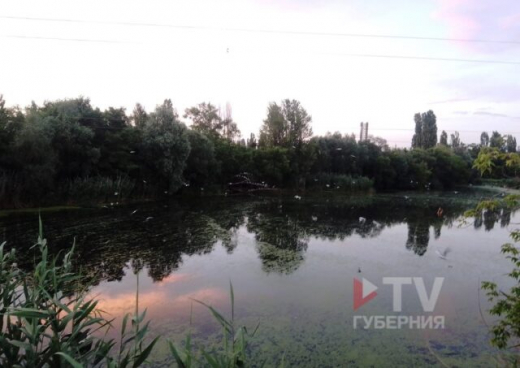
462	24
481	20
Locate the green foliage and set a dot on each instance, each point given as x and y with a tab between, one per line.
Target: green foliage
207	119
497	141
507	304
444	138
43	322
272	165
425	130
59	151
287	125
166	147
484	163
510	144
48	320
493	163
235	342
201	166
484	139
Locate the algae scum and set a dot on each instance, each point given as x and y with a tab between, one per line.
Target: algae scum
292	263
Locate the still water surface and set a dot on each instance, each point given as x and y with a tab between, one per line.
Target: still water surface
292	264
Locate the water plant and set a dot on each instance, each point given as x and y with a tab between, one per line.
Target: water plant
233	352
48	320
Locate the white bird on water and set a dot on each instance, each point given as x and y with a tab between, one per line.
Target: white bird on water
297	197
314	218
362	220
148	219
134	212
443	254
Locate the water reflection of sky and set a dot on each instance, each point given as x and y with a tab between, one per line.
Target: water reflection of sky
292	264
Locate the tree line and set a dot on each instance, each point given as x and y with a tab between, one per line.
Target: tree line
65	150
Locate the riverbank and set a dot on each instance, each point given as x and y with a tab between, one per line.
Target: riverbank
498	189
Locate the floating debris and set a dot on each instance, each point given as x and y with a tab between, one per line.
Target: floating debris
314	218
442	254
362	220
116	193
297	197
148	219
134	212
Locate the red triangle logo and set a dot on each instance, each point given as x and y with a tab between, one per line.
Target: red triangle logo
364	291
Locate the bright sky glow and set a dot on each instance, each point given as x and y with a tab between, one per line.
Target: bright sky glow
128	64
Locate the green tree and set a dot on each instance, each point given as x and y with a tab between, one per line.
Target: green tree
35	159
139	116
298	122
207	119
274	131
484	139
229	129
166	146
455	140
510	144
201	166
486	160
497	141
67	124
271	165
251	142
429	129
417	137
11	122
444	138
425	130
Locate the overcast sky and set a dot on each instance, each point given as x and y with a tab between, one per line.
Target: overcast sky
208	50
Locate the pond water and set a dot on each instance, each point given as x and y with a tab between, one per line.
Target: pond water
292	264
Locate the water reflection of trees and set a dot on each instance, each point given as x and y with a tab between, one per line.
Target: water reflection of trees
490	218
110	239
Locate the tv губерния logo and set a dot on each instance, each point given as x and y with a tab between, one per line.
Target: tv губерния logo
365	291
